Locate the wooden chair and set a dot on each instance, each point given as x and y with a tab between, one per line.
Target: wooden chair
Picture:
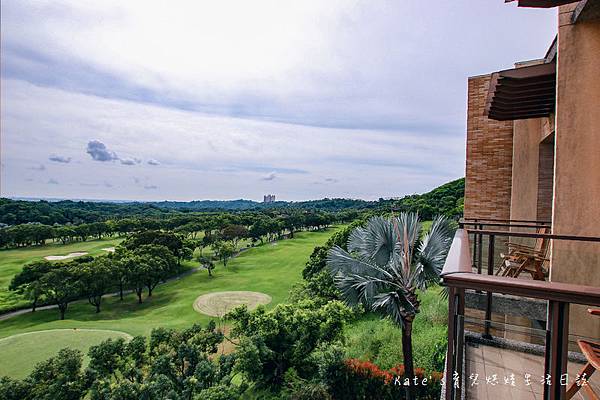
531	259
591	351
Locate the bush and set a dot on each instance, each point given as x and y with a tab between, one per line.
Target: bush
303	389
219	392
365	380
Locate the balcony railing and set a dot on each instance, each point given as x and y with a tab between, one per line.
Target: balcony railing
464	271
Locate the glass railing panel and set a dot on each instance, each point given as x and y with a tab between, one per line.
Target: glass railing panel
510	365
503	368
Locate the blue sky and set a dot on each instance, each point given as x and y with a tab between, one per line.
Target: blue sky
235	99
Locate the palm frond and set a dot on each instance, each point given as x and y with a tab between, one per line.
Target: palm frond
339	261
361	289
393	304
433	251
376	241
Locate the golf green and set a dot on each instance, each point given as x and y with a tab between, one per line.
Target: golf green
21	352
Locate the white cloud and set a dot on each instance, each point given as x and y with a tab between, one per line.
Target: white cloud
269	177
333	63
129	161
59	159
367	163
200	86
98	151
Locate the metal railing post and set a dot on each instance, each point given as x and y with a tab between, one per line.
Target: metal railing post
460	337
557	348
490	271
480	251
451	352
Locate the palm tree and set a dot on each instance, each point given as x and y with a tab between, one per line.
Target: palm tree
387	261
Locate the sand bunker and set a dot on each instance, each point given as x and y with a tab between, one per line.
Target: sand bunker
70	255
219	303
109	249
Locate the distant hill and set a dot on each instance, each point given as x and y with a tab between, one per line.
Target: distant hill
446	199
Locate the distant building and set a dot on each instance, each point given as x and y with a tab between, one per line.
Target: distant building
269	198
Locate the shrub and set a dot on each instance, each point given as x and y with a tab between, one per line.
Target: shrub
365	380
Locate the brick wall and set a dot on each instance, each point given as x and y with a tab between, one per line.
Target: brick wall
489	157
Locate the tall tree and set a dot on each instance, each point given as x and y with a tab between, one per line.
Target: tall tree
158	264
170	240
207	263
224	251
61	286
234	233
293	221
27	281
96	279
387	262
120	267
136	267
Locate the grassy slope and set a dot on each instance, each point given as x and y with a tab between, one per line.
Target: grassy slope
271	269
11	262
371	338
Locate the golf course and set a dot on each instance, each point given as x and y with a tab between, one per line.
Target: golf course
263	274
12	261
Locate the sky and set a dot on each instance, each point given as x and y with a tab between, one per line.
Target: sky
185	100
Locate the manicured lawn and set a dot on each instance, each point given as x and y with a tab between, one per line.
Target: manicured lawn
271	268
12	261
21	352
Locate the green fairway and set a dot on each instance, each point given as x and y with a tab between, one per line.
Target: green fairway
20	353
271	269
12	261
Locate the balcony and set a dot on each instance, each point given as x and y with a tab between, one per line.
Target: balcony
508	337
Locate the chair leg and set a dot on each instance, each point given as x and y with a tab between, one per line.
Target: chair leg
506	268
520	269
590	392
588	370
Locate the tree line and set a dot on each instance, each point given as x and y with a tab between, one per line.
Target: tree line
260	225
140	263
443	200
15	212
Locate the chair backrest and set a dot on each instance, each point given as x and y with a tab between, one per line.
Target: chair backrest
541	243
